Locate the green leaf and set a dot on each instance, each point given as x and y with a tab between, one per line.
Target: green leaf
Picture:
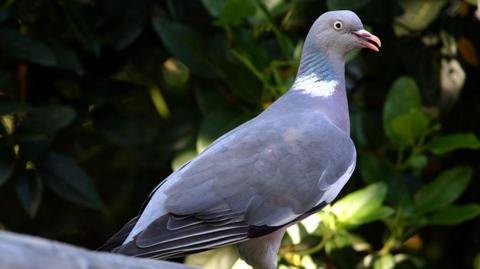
234	11
417	15
185	44
446	143
362	206
43	121
373	168
24	47
407	128
7	164
403	97
214	7
444	190
472	2
374	214
346	4
384	262
29	189
455	214
63	176
418	162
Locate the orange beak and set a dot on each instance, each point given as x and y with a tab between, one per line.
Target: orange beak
368	40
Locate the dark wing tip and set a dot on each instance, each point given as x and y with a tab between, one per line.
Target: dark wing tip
118	238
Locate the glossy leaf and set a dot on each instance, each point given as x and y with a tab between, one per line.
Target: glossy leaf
384	262
40	122
29	189
68	180
362	206
447	143
24	47
403	97
444	190
408	128
417	15
455	214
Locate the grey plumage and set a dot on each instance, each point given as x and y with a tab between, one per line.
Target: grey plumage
266	174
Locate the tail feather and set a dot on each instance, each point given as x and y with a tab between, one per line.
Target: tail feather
158	241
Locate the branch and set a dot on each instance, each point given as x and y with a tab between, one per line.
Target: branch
26	252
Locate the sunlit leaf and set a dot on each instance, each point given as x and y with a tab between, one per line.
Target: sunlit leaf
7	164
29	189
384	262
366	216
26	48
214	259
339	241
175	73
363	205
68	180
444	190
417	15
446	143
182	158
455	214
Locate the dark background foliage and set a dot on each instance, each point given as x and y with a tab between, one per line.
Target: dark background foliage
100	100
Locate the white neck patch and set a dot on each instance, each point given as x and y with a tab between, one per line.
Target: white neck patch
311	85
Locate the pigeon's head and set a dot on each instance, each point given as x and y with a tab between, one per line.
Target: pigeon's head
340	31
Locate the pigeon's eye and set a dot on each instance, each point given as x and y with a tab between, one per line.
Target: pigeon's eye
337	25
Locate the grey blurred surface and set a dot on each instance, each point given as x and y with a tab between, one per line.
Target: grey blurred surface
19	251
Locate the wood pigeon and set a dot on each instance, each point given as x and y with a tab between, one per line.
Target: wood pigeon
253	182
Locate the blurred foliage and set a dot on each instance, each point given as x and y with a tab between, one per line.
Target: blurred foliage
99	100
